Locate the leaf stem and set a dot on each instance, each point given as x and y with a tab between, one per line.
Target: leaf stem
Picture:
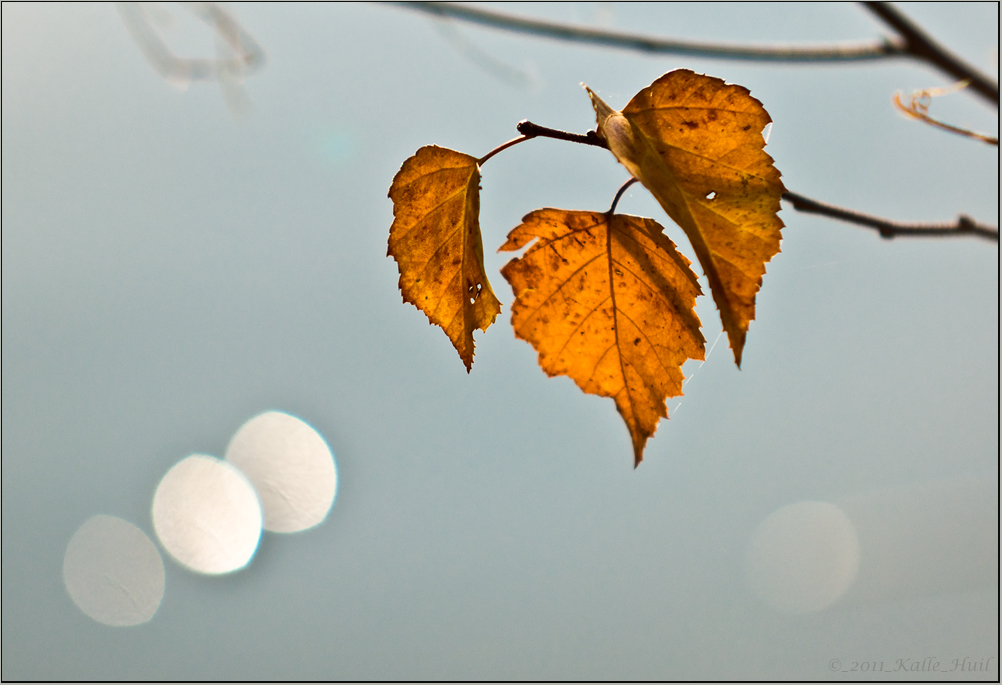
891	229
503	146
619	194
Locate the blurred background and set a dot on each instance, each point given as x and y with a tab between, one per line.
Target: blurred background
178	257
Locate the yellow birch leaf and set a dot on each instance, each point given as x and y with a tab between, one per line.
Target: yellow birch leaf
696	144
435	240
609	302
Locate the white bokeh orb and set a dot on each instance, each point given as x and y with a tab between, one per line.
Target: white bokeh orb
206	513
291	466
803	557
113	572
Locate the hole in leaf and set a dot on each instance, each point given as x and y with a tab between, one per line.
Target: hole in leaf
710	195
473	289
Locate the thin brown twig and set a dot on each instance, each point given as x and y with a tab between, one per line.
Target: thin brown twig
891	229
531	130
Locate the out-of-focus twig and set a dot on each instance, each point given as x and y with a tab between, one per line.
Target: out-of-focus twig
246	56
513	76
918	108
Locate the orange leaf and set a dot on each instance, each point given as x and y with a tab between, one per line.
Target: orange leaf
696	144
610	303
435	239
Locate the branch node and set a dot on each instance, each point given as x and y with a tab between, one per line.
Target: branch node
526	128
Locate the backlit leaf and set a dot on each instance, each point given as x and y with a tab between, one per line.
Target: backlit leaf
610	303
435	239
696	143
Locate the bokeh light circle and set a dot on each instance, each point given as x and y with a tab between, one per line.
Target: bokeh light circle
291	466
803	557
113	572
207	515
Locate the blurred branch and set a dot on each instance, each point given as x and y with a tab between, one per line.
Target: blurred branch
632	41
513	76
910	41
891	229
248	54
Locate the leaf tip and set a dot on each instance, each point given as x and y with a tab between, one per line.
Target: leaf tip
737	344
638	456
602	110
639	438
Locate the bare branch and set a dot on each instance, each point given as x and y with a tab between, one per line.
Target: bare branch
879	49
921	46
890	229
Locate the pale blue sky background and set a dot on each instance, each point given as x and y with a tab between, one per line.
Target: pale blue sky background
170	270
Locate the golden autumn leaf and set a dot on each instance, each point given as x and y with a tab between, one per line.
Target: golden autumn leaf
696	144
435	240
609	302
